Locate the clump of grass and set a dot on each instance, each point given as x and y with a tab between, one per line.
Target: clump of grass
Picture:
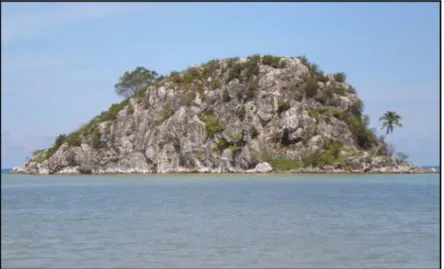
252	86
140	94
311	87
358	126
336	112
322	78
235	72
74	139
273	61
187	98
215	83
41	158
209	68
252	65
320	114
167	111
222	144
326	97
175	77
340	77
46	155
240	112
232	61
235	148
130	109
285	165
96	140
225	95
338	89
283	106
357	108
191	75
111	113
351	89
253	132
212	125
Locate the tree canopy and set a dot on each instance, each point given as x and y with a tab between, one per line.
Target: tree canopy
132	82
389	120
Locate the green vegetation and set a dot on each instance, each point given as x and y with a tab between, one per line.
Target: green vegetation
199	87
358	126
215	83
225	95
235	72
321	114
243	71
231	62
130	109
41	158
191	75
322	77
175	77
351	89
313	70
141	94
74	139
240	112
252	66
283	106
234	145
304	60
221	144
253	132
167	111
273	61
337	89
37	152
357	108
132	82
285	165
401	157
311	87
209	68
96	141
389	120
57	144
112	112
336	112
329	155
212	125
252	86
187	98
340	77
326	97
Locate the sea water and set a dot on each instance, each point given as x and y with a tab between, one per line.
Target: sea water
309	221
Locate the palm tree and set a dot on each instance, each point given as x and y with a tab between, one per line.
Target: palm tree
389	120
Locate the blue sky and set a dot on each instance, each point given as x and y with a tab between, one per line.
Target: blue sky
60	61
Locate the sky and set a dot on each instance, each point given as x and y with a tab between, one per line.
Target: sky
60	61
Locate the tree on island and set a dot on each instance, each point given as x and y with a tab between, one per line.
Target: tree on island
390	119
132	82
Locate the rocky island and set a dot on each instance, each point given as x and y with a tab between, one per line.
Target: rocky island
256	114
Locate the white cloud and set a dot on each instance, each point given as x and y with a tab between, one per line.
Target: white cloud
25	24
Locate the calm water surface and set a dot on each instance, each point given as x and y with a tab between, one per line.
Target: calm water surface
388	221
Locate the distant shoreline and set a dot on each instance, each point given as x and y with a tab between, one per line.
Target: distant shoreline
235	173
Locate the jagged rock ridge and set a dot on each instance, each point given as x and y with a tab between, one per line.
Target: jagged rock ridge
227	115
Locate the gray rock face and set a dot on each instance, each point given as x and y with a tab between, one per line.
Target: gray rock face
263	168
214	124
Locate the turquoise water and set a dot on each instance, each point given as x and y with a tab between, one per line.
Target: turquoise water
309	221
